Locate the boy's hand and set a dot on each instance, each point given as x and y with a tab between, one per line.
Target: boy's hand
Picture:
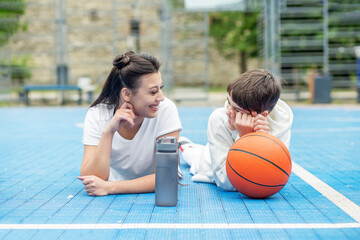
244	123
261	124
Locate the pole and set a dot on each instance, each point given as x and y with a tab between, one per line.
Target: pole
272	37
325	39
165	48
61	67
206	40
114	20
266	32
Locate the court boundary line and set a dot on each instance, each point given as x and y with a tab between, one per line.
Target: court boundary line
180	226
344	203
325	130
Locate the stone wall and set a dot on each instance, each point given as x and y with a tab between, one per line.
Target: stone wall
95	31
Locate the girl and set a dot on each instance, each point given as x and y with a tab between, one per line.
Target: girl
122	125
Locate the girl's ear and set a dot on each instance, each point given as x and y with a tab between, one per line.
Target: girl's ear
265	113
126	94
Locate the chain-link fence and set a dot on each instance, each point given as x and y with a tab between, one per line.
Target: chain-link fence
311	45
64	42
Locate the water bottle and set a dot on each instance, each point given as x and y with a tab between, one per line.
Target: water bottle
166	172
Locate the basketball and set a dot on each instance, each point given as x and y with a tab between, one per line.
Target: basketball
258	165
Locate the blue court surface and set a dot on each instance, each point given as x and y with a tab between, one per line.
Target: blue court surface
41	198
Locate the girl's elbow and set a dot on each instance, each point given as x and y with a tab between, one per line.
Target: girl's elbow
83	171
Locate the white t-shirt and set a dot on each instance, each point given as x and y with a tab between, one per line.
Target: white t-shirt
133	158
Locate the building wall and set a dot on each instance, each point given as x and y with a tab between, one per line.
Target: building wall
94	32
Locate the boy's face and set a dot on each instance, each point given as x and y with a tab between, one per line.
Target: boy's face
231	104
232	110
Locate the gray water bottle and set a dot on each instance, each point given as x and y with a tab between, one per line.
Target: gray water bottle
166	172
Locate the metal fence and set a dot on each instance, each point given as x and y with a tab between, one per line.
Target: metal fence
305	39
64	41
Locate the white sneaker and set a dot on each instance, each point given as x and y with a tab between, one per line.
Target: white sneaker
184	140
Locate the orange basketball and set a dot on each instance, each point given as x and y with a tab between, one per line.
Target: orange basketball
258	165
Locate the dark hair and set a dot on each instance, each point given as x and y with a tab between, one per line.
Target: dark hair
255	90
127	72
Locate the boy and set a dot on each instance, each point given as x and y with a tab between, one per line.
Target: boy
252	105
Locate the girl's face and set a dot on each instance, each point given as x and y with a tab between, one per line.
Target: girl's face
148	96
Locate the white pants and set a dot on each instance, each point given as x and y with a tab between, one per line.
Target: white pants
192	154
198	158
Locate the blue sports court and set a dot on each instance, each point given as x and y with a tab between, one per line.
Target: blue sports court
41	198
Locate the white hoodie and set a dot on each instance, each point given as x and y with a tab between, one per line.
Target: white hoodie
211	166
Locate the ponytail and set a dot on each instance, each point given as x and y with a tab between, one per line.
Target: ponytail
127	71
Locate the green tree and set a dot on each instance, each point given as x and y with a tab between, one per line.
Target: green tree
235	35
10	12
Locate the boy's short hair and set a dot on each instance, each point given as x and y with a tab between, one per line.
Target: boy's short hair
255	90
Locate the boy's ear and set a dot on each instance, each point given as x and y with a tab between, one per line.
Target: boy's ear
126	94
265	113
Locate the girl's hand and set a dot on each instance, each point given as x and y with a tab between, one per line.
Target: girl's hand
261	124
94	185
125	114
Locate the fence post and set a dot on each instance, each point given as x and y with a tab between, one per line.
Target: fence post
357	53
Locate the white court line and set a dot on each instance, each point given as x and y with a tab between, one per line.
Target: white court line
325	130
183	226
330	193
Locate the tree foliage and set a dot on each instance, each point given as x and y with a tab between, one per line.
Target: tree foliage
235	35
10	12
